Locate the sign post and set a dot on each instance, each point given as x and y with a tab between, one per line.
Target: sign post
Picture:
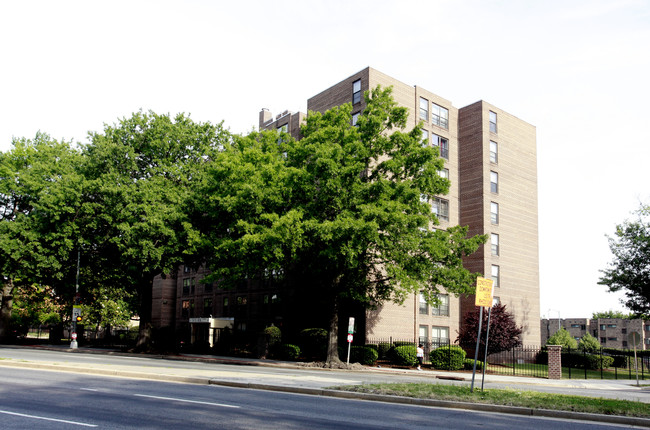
350	336
483	299
635	338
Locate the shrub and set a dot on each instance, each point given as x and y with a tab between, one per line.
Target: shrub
595	361
405	355
468	364
589	343
313	342
384	350
450	357
273	335
564	338
363	354
288	352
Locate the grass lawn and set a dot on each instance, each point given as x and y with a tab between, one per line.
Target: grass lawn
541	371
528	399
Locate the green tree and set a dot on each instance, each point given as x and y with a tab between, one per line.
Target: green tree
141	174
37	305
564	338
630	269
589	343
341	215
612	314
504	332
40	197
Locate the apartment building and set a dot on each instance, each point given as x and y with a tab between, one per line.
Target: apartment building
610	332
490	160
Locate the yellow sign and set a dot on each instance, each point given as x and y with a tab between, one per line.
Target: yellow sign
484	292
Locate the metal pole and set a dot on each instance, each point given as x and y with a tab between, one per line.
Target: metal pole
73	343
487	338
478	339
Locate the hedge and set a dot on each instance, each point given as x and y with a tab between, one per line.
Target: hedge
447	357
405	355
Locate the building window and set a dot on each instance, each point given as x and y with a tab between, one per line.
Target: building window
647	327
444	173
494	243
494	154
355	118
442	144
496	300
624	331
495	276
625	344
186	286
207	308
494	213
424	306
185	309
603	326
603	340
439	335
208	287
494	182
611	325
443	308
356	92
440	207
493	122
423	333
439	116
575	325
613	339
424	109
242	300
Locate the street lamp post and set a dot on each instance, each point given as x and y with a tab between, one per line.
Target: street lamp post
73	343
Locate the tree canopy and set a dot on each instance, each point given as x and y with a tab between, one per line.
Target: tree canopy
343	213
564	338
40	198
141	174
504	332
629	270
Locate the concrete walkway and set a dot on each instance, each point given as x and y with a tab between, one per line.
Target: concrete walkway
293	377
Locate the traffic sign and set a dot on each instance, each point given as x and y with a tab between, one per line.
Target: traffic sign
634	338
349	338
484	292
74	336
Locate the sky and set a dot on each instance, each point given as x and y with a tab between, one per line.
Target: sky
577	70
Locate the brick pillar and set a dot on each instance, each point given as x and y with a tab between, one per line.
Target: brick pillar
554	361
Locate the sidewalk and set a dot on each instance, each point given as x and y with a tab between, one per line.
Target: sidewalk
297	378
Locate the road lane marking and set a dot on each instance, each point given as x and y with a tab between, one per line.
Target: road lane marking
36	417
187	401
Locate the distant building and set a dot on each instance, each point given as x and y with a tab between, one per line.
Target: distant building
610	332
491	160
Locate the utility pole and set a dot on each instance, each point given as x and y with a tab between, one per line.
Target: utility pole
76	311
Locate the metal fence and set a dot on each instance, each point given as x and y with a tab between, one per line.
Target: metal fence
520	361
605	363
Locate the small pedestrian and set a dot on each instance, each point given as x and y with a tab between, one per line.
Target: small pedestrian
420	356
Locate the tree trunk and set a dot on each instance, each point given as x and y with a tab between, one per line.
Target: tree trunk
144	342
5	309
333	359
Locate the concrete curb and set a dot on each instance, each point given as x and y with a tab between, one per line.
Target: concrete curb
482	407
515	410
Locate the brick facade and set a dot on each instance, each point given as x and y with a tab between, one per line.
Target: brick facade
610	332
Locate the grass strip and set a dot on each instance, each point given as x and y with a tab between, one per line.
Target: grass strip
508	397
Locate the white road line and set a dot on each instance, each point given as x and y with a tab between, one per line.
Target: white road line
88	389
187	401
47	419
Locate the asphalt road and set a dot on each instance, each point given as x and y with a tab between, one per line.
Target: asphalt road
58	400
